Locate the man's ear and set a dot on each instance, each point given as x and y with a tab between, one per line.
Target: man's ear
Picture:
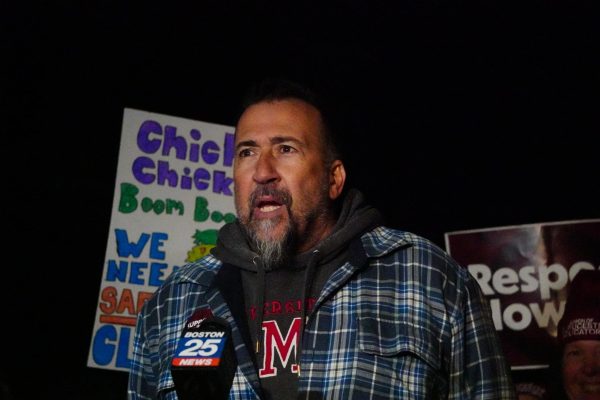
337	178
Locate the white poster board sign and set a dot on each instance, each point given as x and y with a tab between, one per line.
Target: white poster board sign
173	191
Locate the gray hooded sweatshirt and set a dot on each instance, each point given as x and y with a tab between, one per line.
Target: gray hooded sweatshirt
288	292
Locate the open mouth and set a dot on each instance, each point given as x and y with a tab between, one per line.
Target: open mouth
268	207
268	204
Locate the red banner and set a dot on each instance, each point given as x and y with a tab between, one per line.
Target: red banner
525	272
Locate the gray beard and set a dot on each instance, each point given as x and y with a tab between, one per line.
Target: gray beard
272	253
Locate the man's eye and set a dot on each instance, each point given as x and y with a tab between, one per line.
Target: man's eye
572	353
245	153
286	149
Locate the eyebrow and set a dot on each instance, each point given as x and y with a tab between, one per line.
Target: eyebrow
273	140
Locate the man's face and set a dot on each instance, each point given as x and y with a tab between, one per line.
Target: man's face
282	186
581	369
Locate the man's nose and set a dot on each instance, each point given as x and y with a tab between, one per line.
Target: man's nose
265	170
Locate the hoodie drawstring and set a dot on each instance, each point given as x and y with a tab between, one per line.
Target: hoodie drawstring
260	294
308	281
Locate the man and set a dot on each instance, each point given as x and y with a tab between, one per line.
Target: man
579	339
324	302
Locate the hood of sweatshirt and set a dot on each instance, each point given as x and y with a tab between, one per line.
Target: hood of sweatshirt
355	218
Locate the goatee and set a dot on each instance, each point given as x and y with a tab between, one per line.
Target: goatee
273	252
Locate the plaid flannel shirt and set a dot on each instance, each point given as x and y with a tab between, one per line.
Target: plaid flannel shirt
406	322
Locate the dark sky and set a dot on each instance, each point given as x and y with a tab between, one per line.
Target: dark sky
458	115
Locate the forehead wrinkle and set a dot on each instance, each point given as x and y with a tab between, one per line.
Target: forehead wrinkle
283	139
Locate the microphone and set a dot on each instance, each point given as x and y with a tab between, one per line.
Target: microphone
204	363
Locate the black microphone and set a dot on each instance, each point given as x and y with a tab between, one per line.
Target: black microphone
204	363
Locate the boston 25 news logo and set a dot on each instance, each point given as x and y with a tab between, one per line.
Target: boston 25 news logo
202	342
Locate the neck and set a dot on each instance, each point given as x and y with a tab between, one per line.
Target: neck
319	230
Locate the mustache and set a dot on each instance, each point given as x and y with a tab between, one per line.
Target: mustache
281	196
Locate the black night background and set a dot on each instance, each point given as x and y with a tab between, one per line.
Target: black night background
459	115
